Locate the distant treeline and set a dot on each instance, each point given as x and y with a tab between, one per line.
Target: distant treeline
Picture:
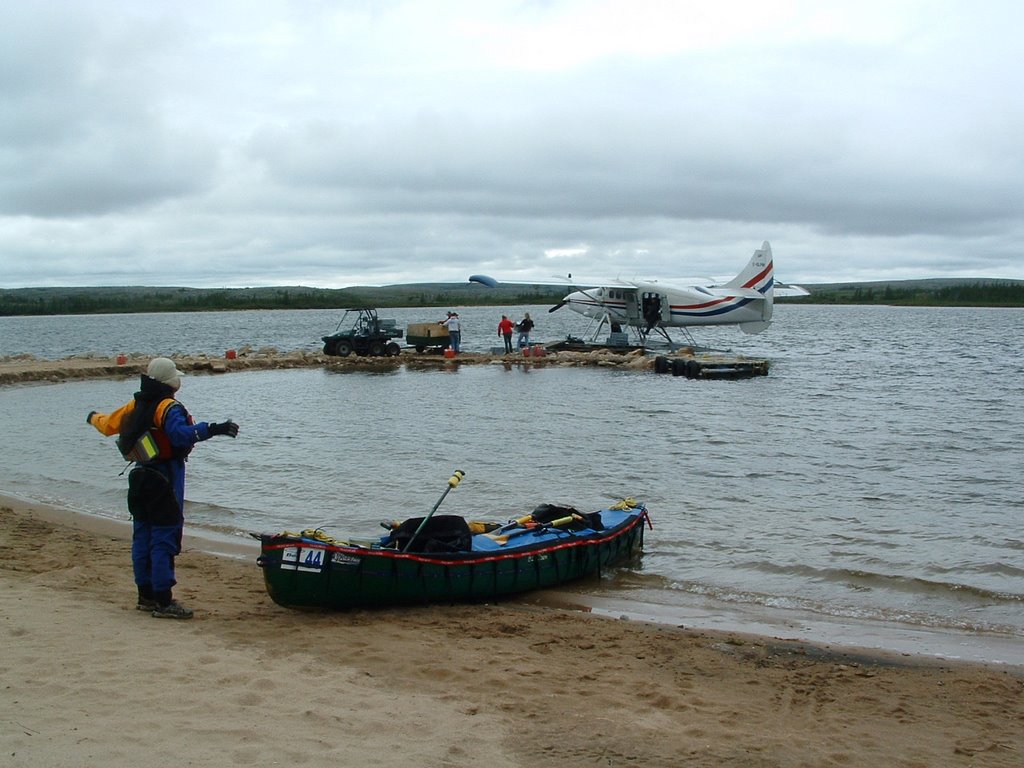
977	294
83	301
113	300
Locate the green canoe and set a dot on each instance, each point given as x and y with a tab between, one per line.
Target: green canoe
450	559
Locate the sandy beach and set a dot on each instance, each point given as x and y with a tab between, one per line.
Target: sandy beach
88	680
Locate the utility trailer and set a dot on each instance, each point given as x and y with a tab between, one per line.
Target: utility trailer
424	335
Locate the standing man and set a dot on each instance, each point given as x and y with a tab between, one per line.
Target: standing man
505	331
157	433
525	326
454	330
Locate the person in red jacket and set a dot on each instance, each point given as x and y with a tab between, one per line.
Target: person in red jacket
157	433
505	331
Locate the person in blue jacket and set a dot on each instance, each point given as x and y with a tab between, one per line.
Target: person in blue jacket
157	433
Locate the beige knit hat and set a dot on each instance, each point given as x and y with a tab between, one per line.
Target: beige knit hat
163	370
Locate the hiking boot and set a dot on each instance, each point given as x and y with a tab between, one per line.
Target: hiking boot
173	610
147	604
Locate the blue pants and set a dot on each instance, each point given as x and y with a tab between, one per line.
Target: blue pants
153	550
456	339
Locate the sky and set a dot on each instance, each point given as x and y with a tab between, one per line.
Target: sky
329	144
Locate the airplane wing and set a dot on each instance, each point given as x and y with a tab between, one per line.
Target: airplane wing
571	281
696	284
783	289
567	282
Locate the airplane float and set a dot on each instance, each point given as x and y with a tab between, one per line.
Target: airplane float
653	306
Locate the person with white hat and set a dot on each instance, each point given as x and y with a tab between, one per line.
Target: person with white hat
454	326
157	433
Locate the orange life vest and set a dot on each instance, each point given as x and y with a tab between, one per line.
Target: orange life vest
163	442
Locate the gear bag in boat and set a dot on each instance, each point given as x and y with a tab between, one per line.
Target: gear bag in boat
546	513
442	533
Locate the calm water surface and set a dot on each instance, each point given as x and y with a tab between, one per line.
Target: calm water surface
865	492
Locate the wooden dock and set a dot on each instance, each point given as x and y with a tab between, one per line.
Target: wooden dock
693	363
711	365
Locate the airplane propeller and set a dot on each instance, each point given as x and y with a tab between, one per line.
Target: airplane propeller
559	305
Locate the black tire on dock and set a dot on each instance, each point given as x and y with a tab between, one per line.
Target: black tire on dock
678	367
692	369
661	364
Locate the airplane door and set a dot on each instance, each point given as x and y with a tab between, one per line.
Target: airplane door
654	308
632	307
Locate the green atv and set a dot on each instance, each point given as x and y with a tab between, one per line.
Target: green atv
365	334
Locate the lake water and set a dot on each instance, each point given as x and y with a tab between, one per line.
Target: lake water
866	492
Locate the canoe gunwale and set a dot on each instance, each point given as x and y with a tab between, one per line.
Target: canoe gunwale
460	558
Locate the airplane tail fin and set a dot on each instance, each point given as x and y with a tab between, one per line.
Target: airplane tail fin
759	274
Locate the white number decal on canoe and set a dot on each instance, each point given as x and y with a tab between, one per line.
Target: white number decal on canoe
302	559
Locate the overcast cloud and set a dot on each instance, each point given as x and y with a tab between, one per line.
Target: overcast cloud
229	144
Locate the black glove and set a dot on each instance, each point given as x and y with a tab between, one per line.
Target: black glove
88	419
228	428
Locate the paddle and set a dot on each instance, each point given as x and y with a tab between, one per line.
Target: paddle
526	521
453	481
536	528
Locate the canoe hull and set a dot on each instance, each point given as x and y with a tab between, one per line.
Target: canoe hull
299	572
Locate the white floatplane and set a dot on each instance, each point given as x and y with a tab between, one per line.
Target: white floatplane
653	306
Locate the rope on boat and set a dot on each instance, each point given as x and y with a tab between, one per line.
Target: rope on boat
316	534
627	503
